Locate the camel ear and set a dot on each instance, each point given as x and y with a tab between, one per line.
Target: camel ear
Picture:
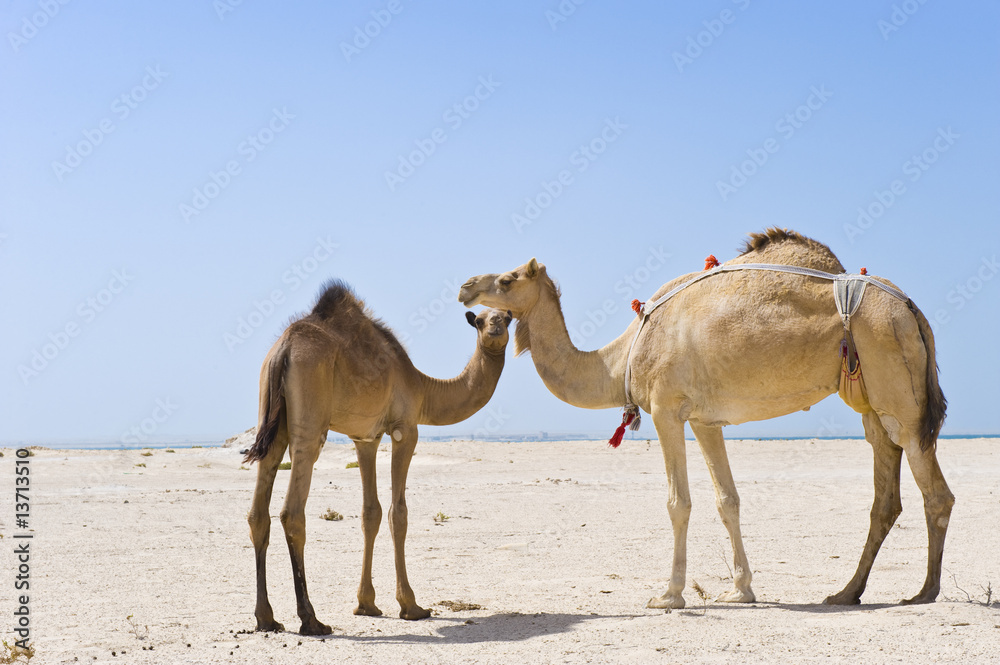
507	319
471	318
532	268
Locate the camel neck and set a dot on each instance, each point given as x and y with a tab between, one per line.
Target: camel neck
586	379
448	401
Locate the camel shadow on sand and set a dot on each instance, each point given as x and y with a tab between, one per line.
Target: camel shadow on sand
501	627
517	627
808	608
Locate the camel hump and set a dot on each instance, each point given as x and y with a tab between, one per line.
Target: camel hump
338	305
335	298
784	246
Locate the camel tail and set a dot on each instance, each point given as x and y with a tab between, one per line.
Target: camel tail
934	410
272	406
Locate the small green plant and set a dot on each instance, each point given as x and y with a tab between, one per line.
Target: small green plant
206	465
13	653
197	446
244	468
441	518
142	464
146	453
351	465
332	515
140	634
284	466
169	450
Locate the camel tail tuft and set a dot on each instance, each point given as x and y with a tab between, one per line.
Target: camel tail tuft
934	410
273	405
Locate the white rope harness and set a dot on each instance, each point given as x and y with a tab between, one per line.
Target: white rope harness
846	305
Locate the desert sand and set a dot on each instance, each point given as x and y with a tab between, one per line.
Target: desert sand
548	555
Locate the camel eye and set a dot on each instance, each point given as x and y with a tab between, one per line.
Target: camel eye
506	281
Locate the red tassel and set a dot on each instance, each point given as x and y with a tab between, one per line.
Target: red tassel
637	306
864	271
616	440
711	262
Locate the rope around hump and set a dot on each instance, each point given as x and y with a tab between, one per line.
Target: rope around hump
631	417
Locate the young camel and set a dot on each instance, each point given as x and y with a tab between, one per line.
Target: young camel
750	345
339	369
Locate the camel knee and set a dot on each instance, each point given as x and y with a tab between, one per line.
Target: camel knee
679	510
372	515
729	508
294	524
398	514
260	527
940	507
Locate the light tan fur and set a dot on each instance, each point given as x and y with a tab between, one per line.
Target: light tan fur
742	346
339	370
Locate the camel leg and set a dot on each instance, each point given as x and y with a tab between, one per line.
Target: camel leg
304	453
671	434
938	501
371	518
260	527
885	508
713	448
404	440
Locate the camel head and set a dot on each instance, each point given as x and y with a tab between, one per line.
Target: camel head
492	326
515	290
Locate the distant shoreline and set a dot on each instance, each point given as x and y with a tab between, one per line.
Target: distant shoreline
437	439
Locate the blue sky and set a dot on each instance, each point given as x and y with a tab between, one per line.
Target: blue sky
178	180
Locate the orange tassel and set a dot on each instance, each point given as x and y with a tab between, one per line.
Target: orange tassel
711	262
637	306
864	271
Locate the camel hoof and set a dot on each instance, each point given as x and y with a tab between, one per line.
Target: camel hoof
666	602
271	626
414	613
842	598
737	596
919	599
314	627
367	611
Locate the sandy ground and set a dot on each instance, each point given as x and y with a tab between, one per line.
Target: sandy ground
561	544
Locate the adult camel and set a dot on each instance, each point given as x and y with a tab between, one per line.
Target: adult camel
746	345
340	369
